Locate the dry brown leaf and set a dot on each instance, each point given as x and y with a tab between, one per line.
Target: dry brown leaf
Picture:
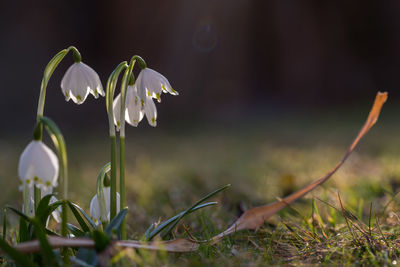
255	217
251	219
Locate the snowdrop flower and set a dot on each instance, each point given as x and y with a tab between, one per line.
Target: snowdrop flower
38	165
100	212
150	83
134	107
79	81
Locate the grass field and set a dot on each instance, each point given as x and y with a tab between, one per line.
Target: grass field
263	158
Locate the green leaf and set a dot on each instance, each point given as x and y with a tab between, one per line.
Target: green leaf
101	240
23	230
14	254
42	209
87	217
46	249
22	215
75	230
150	235
168	231
78	217
116	222
85	257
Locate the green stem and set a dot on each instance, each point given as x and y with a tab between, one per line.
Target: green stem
110	90
25	196
59	142
37	196
122	189
64	231
125	81
113	178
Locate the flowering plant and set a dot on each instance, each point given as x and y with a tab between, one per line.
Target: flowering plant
40	169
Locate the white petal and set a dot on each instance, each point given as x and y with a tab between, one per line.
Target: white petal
151	82
95	210
38	164
166	85
93	79
151	112
141	87
134	113
107	194
117	111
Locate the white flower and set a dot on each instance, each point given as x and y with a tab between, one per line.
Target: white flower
100	212
38	165
150	83
134	107
79	81
139	98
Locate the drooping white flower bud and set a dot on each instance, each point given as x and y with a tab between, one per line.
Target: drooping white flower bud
79	81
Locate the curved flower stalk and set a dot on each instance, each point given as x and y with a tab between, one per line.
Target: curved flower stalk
110	90
79	81
100	206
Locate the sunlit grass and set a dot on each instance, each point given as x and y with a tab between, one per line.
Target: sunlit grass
168	170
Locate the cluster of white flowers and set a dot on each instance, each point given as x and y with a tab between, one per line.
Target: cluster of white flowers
38	164
139	98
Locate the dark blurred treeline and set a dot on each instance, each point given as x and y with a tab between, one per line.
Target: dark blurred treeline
223	56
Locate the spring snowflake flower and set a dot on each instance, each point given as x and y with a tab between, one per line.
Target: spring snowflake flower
79	81
150	83
38	165
100	212
139	98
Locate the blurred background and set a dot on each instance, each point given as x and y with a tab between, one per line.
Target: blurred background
271	92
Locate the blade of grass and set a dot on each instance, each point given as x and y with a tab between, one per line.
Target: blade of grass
116	222
192	207
79	218
150	235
